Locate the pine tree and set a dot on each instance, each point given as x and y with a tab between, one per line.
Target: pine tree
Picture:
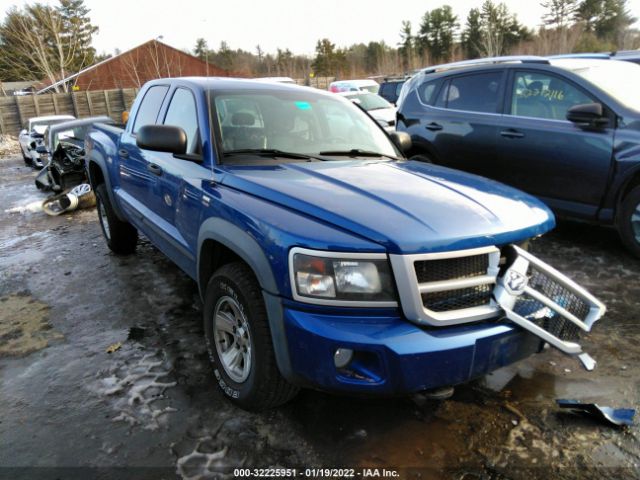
437	33
472	35
501	30
559	13
201	50
406	45
77	33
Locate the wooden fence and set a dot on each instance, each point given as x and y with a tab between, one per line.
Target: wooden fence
16	110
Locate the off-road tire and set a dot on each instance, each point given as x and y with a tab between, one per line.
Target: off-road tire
264	387
628	208
122	237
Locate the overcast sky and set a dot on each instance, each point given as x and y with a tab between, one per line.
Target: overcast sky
293	24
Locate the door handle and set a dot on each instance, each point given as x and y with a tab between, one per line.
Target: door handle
512	133
155	169
433	126
123	153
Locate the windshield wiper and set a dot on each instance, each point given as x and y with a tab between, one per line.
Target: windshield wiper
270	152
356	152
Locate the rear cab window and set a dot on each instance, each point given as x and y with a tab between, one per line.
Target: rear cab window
149	108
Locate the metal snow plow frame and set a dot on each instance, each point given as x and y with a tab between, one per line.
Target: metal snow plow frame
514	285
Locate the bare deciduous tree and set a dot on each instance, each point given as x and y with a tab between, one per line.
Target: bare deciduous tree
38	42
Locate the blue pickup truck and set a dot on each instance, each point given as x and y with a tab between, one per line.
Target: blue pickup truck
323	257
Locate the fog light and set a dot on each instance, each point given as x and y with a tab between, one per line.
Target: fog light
342	357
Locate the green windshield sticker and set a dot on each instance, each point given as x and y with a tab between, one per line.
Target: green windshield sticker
303	105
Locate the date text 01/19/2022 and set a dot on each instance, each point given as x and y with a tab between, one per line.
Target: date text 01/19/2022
315	473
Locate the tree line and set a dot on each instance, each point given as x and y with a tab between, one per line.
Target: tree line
52	42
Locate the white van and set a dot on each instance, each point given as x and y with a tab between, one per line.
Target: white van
354	86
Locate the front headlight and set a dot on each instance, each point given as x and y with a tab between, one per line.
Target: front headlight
341	278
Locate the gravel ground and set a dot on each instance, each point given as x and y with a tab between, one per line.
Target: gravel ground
150	408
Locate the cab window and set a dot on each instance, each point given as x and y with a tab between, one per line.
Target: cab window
182	113
150	107
541	95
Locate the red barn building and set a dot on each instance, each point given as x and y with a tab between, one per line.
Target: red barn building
131	69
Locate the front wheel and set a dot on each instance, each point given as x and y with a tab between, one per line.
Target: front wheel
629	221
121	237
239	341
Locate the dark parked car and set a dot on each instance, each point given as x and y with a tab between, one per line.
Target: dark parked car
564	129
390	89
627	56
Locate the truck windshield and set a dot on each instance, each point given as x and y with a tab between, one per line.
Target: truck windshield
370	101
296	122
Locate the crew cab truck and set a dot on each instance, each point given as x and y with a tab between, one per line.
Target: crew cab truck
323	258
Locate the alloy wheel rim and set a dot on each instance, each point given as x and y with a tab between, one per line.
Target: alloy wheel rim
232	338
104	221
635	223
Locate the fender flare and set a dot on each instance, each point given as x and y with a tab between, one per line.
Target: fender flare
250	251
243	245
98	159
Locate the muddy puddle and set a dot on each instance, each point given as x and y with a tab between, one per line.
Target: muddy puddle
24	325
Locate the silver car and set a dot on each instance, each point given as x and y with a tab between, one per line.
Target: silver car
32	136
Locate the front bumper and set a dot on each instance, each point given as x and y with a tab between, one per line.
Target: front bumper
395	356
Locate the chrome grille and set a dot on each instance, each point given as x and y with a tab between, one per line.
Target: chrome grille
545	318
456	282
539	298
458	299
447	288
448	268
561	295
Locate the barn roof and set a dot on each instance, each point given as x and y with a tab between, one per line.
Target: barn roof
114	58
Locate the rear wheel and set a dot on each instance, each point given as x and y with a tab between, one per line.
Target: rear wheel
121	237
629	221
239	340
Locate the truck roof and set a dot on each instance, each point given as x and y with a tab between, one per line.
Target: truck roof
224	83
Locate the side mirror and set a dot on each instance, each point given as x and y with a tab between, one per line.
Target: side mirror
402	140
587	115
162	138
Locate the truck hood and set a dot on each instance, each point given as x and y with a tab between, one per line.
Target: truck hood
408	207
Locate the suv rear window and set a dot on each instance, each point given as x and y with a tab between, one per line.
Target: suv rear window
426	91
479	92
